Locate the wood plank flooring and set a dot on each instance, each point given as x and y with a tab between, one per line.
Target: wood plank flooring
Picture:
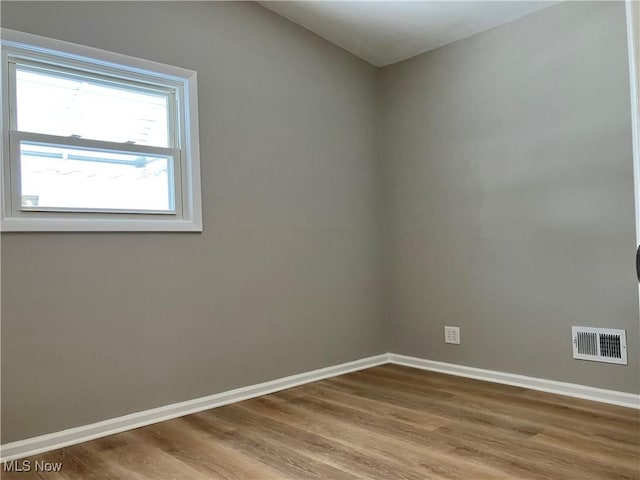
388	422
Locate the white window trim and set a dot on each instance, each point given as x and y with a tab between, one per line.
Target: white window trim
70	54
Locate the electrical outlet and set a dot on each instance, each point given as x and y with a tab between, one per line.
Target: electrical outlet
452	335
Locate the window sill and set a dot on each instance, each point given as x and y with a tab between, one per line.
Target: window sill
97	225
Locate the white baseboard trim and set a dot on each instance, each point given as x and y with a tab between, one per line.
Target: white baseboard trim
84	433
561	388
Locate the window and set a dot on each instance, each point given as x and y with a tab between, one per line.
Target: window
94	140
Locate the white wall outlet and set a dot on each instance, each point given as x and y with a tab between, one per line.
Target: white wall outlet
452	335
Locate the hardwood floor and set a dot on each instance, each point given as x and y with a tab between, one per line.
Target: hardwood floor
388	422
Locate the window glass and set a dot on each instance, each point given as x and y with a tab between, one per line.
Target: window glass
67	104
60	177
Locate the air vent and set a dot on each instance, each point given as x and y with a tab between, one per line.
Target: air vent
600	344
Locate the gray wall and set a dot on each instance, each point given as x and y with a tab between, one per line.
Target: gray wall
509	195
285	277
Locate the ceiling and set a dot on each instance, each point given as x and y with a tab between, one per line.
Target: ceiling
385	32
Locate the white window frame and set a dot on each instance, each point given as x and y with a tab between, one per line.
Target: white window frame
27	48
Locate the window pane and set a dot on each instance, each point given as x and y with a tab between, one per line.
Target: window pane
59	103
62	177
